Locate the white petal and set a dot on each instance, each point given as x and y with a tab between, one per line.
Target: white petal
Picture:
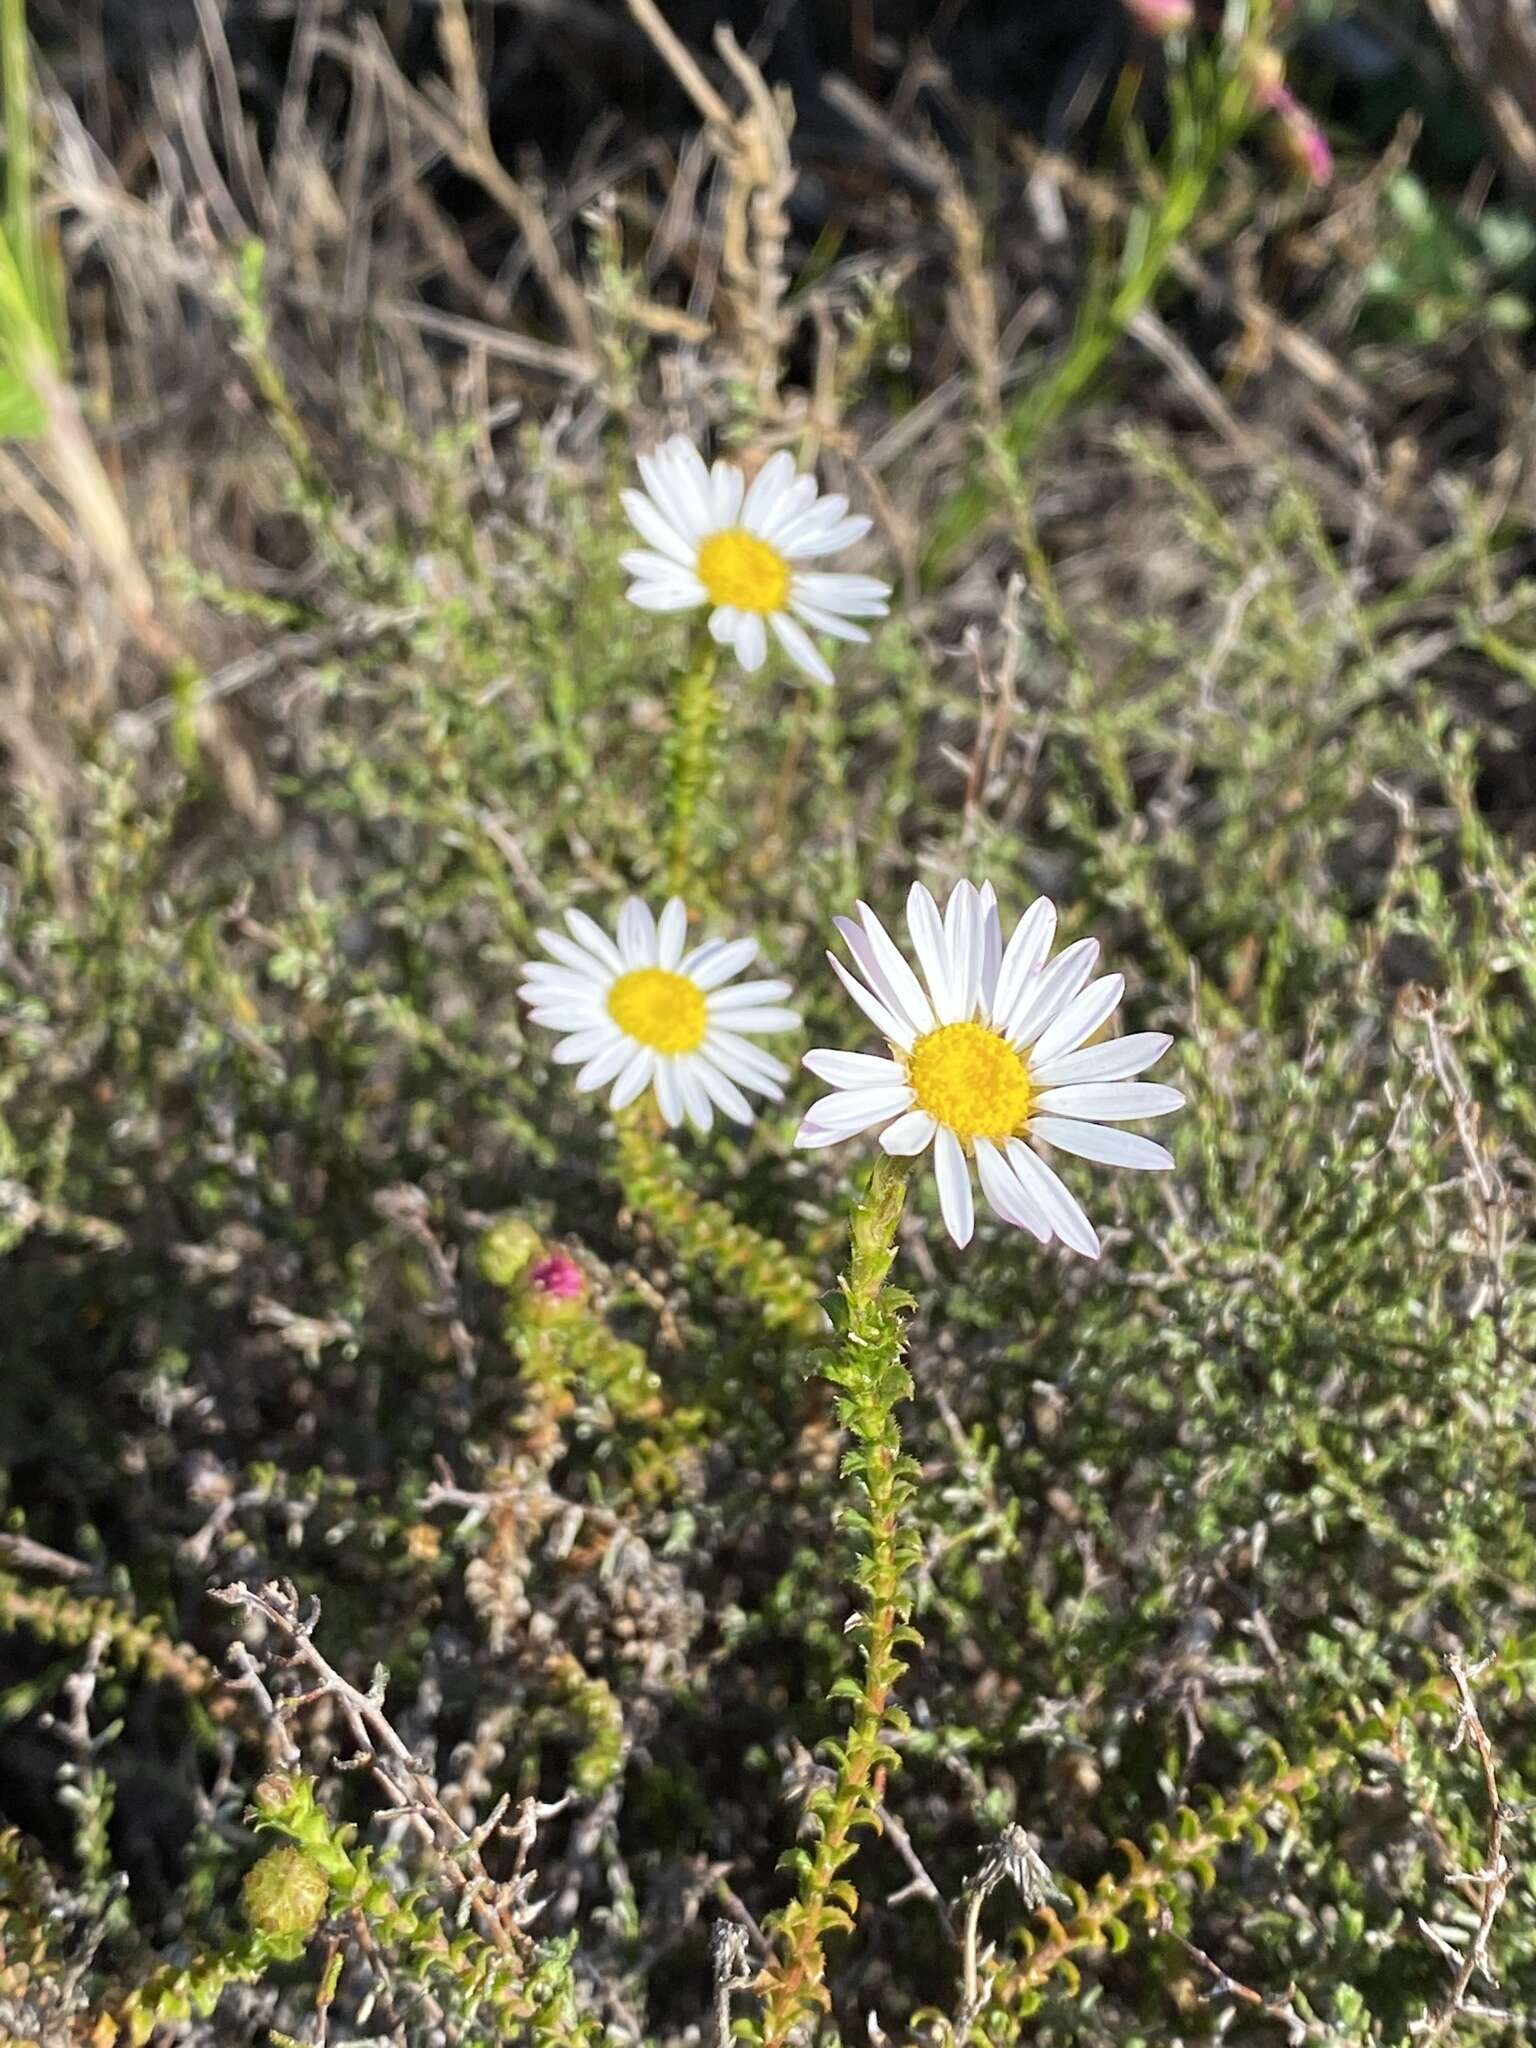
853	936
591	935
956	1205
1080	1019
909	1135
669	1097
800	647
814	1137
823	621
565	1011
1111	1101
722	1090
763	1017
1006	1195
828	539
926	929
727	489
575	957
772	480
1103	1143
819	516
652	524
1024	955
566	1017
582	1045
637	934
724	624
745	1062
607	1064
1042	999
1055	1199
861	597
856	1109
991	945
900	985
633	1078
743	995
963	936
697	1106
1115	1059
751	642
790	507
667	597
671	934
852	1069
884	1021
675	488
707	966
541	980
648	567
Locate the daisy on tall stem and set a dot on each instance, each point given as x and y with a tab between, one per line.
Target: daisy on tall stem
746	553
989	1055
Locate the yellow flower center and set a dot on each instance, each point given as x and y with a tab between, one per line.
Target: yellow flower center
664	1011
737	568
970	1078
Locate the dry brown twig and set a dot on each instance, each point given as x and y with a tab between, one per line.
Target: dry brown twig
408	1209
1281	2010
1493	1880
454	118
972	300
23	1552
1013	1856
753	146
502	1911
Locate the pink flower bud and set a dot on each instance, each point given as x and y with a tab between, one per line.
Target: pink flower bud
1161	17
1302	141
558	1278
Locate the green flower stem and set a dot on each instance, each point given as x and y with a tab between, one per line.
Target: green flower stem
872	1379
695	711
707	1234
1211	108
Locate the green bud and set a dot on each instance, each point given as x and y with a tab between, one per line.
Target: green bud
507	1250
274	1792
285	1894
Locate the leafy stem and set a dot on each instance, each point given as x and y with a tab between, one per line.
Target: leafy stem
695	711
869	1371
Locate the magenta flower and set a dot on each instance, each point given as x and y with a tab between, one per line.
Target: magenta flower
558	1278
1161	17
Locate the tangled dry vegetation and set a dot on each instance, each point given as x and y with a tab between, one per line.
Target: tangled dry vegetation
389	1654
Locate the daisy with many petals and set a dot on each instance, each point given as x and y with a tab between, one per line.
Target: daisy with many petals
639	1011
989	1059
747	553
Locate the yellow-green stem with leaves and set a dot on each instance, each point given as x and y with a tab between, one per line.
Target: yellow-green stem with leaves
1210	105
870	1374
695	712
708	1235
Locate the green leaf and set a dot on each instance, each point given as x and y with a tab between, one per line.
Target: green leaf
21	412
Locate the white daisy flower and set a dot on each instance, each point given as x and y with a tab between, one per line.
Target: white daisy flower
745	553
989	1060
642	1013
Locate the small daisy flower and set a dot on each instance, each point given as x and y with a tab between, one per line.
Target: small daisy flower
745	553
989	1060
640	1012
